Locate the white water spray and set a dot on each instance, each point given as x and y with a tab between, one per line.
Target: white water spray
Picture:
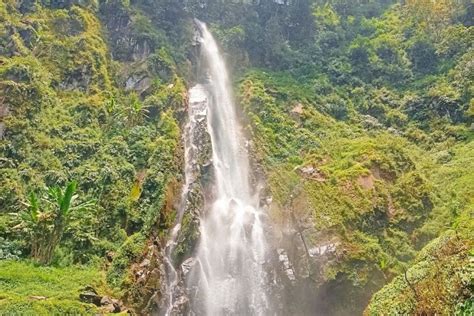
228	276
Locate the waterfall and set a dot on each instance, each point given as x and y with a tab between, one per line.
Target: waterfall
231	253
226	275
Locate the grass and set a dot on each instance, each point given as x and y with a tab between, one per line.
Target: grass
22	281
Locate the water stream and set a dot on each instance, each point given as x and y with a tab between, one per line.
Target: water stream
227	275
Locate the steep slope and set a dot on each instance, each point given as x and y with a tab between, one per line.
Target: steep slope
78	105
360	118
369	161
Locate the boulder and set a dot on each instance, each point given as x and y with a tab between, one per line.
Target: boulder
312	173
111	305
90	297
298	109
105	300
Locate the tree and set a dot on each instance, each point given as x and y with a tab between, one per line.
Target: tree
423	56
301	23
434	16
45	219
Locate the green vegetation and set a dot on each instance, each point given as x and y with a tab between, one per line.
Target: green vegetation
361	118
45	220
440	280
69	121
70	113
371	142
26	288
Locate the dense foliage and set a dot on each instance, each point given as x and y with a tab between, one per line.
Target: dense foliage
360	113
67	115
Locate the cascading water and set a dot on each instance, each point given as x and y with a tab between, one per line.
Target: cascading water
192	134
227	274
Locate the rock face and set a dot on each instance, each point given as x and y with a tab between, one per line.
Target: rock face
126	46
78	79
138	82
299	256
286	264
177	259
142	58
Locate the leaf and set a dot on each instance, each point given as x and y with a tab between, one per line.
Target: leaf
135	192
55	194
65	202
33	207
84	206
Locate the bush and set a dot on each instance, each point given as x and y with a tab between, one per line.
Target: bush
130	251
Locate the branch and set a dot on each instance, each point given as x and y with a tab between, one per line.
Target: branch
410	284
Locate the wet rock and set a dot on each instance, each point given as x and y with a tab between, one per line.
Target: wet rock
187	265
285	262
323	249
180	306
265	198
189	232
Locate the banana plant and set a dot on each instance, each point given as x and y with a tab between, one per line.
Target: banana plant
136	111
45	220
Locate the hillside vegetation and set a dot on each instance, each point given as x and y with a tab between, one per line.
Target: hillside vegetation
360	116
